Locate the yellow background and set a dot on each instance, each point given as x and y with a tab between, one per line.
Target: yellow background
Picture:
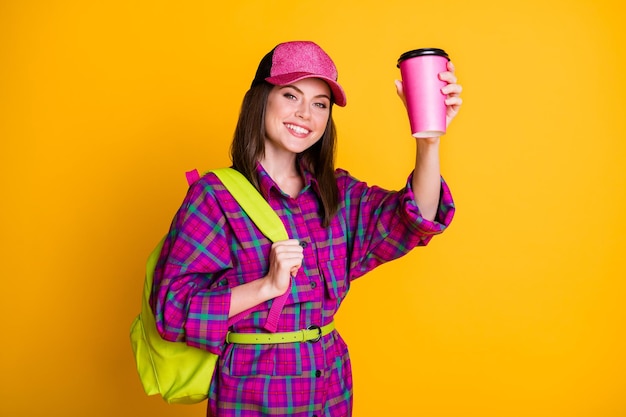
517	310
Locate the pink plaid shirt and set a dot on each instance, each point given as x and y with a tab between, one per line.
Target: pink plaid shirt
213	246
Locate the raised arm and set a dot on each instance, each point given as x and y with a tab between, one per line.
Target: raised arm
427	175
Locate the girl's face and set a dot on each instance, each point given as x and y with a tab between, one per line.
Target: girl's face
296	116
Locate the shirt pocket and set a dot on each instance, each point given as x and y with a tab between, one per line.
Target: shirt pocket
335	274
270	360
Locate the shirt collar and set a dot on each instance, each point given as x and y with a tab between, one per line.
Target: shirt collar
267	184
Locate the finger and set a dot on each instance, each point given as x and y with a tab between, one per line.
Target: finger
454	101
289	255
287	264
399	87
400	91
451	66
448	77
286	250
452	89
295	268
288	242
291	245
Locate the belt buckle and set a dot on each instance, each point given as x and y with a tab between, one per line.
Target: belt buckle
319	333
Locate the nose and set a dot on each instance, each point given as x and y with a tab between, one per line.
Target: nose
303	111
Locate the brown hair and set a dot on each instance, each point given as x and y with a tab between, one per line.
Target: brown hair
248	146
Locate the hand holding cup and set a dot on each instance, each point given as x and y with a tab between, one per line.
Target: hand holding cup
429	91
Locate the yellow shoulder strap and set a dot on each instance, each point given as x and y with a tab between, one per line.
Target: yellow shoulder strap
252	203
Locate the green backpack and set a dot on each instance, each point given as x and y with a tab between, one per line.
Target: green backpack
181	374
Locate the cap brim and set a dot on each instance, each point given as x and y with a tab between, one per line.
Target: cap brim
339	96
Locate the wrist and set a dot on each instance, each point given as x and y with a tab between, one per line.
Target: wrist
267	288
427	142
427	148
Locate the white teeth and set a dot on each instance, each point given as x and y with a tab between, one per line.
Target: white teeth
298	129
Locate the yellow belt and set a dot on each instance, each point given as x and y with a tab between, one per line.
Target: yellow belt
312	334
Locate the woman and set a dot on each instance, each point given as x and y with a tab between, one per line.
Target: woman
218	276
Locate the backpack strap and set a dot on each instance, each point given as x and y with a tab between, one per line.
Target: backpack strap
192	176
253	203
265	218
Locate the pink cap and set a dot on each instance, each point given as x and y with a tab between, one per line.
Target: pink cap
294	61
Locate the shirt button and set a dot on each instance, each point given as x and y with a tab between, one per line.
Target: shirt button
318	374
303	244
313	284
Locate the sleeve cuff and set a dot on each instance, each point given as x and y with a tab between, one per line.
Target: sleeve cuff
445	211
207	320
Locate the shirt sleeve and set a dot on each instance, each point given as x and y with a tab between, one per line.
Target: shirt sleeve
443	218
188	303
385	225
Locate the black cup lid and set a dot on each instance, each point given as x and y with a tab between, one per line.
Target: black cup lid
422	52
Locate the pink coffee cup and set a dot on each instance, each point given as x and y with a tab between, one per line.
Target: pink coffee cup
425	103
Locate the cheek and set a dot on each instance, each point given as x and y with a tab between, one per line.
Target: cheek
272	108
271	115
322	121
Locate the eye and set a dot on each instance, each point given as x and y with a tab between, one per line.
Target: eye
321	105
289	96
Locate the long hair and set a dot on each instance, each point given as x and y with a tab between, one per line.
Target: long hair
248	146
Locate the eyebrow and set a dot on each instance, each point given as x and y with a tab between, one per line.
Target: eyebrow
302	92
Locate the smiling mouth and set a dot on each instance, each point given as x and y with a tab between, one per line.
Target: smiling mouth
298	129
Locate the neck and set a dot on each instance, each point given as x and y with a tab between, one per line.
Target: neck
279	164
285	174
